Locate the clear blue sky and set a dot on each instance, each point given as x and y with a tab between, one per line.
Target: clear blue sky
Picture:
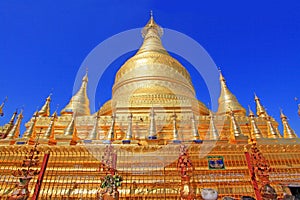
43	43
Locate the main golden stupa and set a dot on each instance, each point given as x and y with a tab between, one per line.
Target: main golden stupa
153	140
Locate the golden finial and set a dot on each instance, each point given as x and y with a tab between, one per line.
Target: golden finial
111	132
50	129
175	130
129	128
227	99
70	129
152	127
272	133
31	129
299	110
15	131
12	119
1	107
235	128
260	110
251	113
93	134
79	103
45	110
195	132
255	131
288	132
212	133
152	25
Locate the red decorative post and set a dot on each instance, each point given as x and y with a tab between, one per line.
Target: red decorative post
259	168
185	168
41	176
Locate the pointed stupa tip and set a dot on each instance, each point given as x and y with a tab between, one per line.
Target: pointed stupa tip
260	110
15	131
12	119
129	128
151	24
79	103
212	133
288	132
45	110
282	115
227	99
111	132
221	77
85	77
30	130
70	129
50	128
251	113
255	97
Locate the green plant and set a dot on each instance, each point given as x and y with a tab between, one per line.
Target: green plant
111	181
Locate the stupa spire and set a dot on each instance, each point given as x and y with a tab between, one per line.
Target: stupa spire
152	127
94	132
111	132
272	133
15	131
212	133
288	132
45	110
228	101
13	117
255	131
175	130
28	133
195	132
79	103
260	110
70	129
152	33
129	128
1	107
50	128
235	129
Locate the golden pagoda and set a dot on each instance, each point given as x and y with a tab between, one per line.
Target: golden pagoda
153	140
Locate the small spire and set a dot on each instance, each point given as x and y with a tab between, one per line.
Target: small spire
11	123
251	113
50	130
29	132
152	33
288	132
255	131
111	132
260	110
70	129
93	134
228	100
195	132
45	110
129	128
1	107
15	131
175	130
212	132
152	127
272	133
79	103
235	129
